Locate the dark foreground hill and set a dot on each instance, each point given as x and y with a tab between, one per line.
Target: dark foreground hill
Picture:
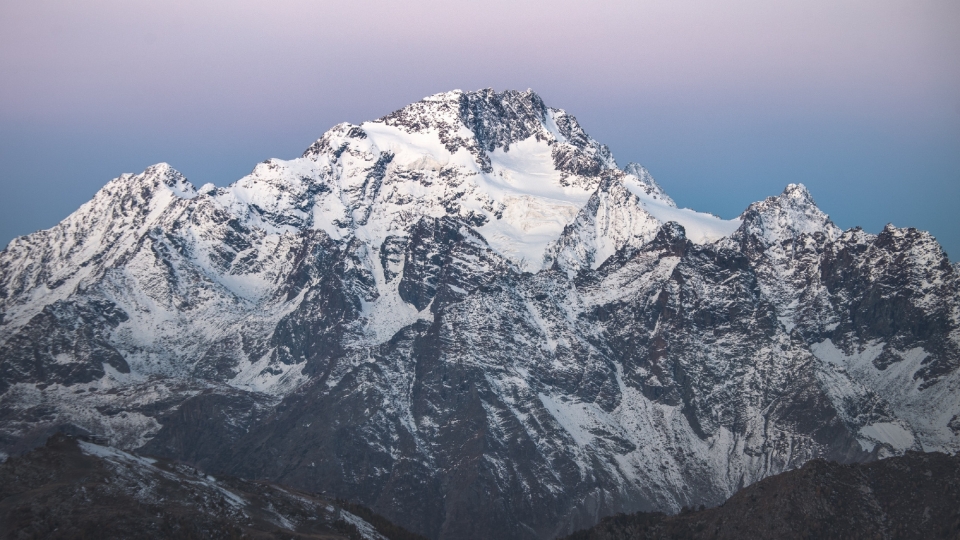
77	489
912	496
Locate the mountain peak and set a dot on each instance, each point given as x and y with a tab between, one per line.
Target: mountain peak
649	184
504	162
483	121
154	177
495	119
798	192
786	217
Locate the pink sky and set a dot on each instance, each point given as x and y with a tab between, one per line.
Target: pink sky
78	58
734	86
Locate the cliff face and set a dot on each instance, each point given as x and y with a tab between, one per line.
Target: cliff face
466	317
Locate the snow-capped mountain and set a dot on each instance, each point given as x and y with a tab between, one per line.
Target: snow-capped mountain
467	317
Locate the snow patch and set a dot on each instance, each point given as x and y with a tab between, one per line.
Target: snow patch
700	227
366	530
898	437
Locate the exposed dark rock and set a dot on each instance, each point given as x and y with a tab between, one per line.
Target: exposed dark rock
65	344
912	496
61	491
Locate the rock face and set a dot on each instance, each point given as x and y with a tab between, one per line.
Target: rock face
78	489
909	496
466	317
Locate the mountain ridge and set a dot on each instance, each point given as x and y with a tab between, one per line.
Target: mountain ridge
466	317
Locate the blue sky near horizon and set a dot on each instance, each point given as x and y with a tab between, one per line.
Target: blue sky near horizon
724	102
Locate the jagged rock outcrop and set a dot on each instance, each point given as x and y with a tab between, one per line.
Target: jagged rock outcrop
466	317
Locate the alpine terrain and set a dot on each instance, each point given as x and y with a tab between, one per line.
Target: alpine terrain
467	317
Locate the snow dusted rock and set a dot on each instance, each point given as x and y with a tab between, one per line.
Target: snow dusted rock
650	186
465	316
784	218
73	336
896	331
612	219
484	121
784	236
880	312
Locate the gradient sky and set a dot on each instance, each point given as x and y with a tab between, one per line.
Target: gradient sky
725	102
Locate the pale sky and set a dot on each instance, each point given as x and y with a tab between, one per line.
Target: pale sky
725	102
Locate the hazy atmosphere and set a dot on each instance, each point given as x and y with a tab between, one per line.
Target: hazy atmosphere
725	103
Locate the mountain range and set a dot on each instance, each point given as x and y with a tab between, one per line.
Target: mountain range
467	317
